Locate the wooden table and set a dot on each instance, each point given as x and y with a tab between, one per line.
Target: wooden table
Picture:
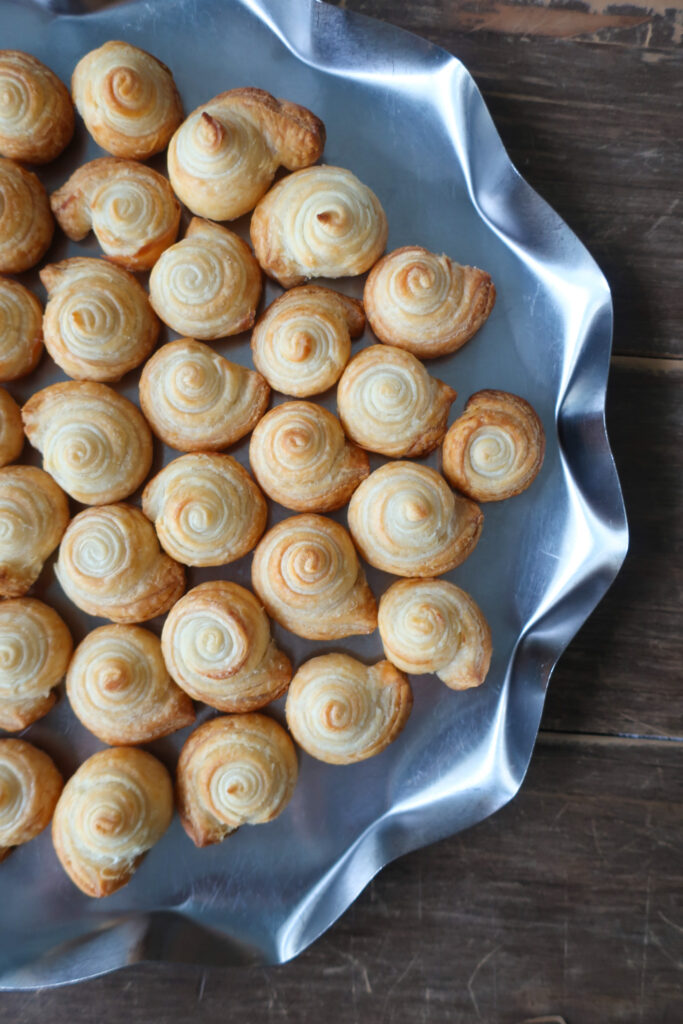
569	902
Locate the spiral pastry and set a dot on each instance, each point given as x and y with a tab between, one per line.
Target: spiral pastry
111	812
21	330
341	711
130	208
35	647
98	322
388	403
224	156
406	520
217	646
26	224
301	458
127	99
302	342
195	400
306	572
34	514
29	789
11	429
206	508
426	303
95	443
36	112
118	686
320	222
110	565
232	771
495	449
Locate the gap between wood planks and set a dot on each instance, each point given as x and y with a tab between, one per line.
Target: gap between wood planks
559	737
648	364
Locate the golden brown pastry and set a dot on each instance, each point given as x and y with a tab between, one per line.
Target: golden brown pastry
118	686
111	812
195	400
341	711
405	519
232	771
21	330
35	647
34	514
301	458
11	429
495	449
29	788
206	508
26	224
127	99
388	403
426	303
36	112
302	342
95	443
306	572
130	208
110	565
217	646
98	322
224	156
320	222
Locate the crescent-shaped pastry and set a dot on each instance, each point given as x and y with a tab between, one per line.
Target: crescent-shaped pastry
388	403
35	647
130	208
495	449
320	222
206	508
232	771
110	565
111	812
195	400
29	789
217	646
405	519
26	224
36	112
11	429
21	329
341	711
95	443
127	99
224	156
426	303
34	513
306	572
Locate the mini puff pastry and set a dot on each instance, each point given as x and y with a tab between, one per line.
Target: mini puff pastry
320	222
341	711
36	112
110	565
98	322
127	99
495	449
11	429
21	330
34	513
206	508
306	572
35	647
130	208
26	224
301	458
405	519
233	771
217	646
207	285
118	686
111	812
95	443
426	303
224	156
388	403
29	789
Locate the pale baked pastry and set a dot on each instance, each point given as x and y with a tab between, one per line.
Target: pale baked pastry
426	303
217	646
341	711
195	400
306	572
119	688
34	513
36	112
11	429
127	99
224	156
29	789
26	224
405	519
389	404
21	329
320	222
206	508
110	565
35	647
111	812
302	342
495	449
233	771
94	442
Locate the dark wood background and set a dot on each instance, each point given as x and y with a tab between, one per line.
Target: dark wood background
569	902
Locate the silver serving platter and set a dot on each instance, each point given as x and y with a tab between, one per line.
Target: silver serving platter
408	119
